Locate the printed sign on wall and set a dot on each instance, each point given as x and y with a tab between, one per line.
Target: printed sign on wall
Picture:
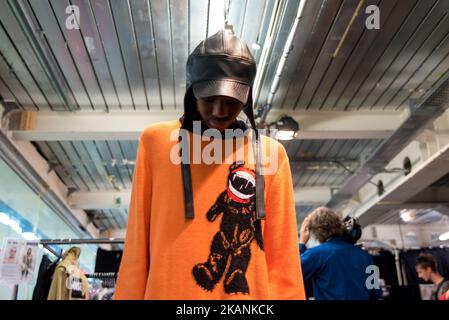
18	261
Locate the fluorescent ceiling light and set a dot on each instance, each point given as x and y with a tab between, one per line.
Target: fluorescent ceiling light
444	236
407	215
285	135
286	127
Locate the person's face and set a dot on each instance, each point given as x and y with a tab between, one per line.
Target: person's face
219	112
12	252
29	252
423	273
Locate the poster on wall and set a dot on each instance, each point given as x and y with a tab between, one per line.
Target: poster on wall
28	261
18	261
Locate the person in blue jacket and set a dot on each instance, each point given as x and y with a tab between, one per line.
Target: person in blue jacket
339	270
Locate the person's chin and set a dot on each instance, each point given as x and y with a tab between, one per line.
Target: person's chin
218	125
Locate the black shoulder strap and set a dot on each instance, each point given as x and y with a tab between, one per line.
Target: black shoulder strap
260	182
184	153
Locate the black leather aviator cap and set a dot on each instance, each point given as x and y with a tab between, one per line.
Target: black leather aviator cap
233	89
221	65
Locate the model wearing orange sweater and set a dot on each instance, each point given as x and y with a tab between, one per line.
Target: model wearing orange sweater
221	229
169	257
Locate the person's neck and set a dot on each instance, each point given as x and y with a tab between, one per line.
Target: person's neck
436	278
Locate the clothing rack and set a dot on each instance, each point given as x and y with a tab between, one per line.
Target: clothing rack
56	254
48	242
384	245
393	249
101	275
108	278
82	241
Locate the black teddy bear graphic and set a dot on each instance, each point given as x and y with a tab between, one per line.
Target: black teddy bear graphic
230	248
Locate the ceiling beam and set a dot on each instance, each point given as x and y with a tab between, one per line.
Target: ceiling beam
403	191
121	199
100	200
312	196
84	125
63	126
343	125
431	197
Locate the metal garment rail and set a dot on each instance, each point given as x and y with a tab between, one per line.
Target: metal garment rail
101	274
48	242
81	241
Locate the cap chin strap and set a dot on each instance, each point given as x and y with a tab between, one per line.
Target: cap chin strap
260	182
186	174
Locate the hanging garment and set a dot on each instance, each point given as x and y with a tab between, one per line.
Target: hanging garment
108	260
40	291
385	260
44	278
68	283
405	293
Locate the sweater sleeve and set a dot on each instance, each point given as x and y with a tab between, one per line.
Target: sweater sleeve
281	237
135	264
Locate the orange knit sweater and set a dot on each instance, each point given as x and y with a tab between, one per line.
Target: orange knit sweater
223	253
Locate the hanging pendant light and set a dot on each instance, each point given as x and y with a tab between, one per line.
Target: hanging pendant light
286	128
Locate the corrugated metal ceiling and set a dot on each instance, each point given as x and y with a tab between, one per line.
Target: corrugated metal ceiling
370	69
326	162
127	55
94	166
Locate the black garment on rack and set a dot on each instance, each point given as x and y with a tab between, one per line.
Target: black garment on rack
108	260
38	292
408	260
44	278
385	260
404	293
